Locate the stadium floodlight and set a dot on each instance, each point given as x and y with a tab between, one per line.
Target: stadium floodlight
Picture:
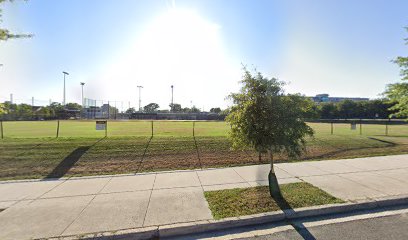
82	93
140	99
63	101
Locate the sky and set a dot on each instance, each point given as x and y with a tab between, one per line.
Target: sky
343	48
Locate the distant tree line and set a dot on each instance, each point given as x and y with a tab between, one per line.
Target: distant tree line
175	108
378	108
347	109
12	111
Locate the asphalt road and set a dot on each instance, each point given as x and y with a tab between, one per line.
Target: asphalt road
380	223
387	227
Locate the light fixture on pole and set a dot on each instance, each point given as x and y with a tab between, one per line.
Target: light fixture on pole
140	99
63	101
82	93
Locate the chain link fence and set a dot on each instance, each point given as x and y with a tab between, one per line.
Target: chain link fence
129	128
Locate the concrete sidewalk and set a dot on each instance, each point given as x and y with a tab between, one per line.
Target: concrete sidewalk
76	206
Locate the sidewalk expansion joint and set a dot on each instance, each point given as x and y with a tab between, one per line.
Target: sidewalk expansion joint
83	209
338	174
241	177
39	197
150	197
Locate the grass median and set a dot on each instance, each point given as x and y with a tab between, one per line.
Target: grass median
246	201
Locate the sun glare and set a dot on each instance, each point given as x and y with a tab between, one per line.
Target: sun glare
177	48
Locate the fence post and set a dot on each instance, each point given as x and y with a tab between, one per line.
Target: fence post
331	128
1	127
386	127
361	127
193	128
106	129
152	128
58	128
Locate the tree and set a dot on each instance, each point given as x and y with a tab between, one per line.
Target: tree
175	107
130	110
347	109
263	117
328	111
151	107
398	92
5	33
186	110
56	110
3	109
73	106
194	109
216	110
43	113
24	111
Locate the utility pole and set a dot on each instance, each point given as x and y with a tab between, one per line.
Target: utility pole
82	94
63	101
11	98
140	99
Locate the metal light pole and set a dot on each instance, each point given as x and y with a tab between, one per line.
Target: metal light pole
82	94
63	101
140	99
172	94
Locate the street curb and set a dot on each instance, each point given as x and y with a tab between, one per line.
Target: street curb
179	229
134	233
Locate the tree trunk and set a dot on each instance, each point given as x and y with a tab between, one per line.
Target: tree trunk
260	157
274	189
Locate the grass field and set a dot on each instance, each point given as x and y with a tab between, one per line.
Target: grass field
30	149
69	128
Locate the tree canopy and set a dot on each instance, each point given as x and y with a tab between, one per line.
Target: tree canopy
5	34
265	118
3	109
130	110
215	110
175	107
151	107
398	92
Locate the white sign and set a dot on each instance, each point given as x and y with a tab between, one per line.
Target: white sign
353	126
100	125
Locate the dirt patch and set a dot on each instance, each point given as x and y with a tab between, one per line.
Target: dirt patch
34	158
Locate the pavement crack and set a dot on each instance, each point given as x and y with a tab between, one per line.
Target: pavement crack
201	184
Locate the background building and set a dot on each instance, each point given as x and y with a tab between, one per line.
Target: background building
325	98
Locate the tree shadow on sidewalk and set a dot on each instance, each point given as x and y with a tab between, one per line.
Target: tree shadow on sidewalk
69	161
299	227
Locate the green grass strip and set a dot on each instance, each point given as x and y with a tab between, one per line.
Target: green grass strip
246	201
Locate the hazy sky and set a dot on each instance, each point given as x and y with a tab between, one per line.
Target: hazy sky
342	48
